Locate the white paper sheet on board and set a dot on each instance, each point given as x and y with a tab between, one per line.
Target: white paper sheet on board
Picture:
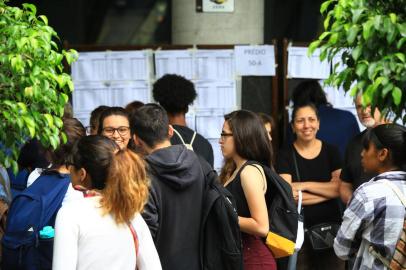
214	65
112	66
215	94
174	62
302	66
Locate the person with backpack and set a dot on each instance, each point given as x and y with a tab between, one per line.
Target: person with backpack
245	141
29	234
175	93
375	217
174	209
104	229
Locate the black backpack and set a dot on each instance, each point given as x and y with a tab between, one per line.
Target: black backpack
220	237
282	210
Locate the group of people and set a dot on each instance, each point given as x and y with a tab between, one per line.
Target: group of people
137	183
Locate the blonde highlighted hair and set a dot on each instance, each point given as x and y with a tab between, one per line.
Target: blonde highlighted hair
119	175
126	191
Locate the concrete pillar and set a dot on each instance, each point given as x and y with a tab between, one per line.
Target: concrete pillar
244	26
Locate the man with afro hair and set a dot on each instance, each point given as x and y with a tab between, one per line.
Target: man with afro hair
175	93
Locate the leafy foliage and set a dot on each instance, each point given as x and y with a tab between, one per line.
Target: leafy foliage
370	38
33	86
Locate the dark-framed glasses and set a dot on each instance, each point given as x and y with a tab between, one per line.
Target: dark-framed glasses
224	135
123	130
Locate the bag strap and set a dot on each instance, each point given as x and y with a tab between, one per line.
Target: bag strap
256	165
396	190
193	138
180	136
295	164
182	140
135	238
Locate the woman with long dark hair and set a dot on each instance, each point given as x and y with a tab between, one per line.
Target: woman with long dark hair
374	218
243	139
104	229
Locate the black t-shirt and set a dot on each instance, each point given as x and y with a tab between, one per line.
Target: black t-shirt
201	146
353	172
318	169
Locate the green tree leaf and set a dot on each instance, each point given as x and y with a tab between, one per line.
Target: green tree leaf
397	95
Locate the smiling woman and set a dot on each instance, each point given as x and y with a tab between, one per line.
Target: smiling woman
114	124
313	166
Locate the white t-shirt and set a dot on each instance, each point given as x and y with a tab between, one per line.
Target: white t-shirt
84	239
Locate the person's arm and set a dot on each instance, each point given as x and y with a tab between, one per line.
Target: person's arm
66	241
358	215
328	190
346	190
307	198
147	258
151	210
252	183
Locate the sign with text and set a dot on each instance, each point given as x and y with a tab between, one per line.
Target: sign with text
255	60
218	5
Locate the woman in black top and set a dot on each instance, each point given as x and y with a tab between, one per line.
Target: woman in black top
319	168
243	139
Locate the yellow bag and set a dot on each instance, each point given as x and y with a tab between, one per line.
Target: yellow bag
279	245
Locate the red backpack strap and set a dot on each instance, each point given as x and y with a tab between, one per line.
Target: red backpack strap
135	237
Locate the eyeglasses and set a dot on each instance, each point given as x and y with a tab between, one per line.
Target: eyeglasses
224	135
109	131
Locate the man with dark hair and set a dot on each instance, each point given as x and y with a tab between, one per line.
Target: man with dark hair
174	207
337	126
175	94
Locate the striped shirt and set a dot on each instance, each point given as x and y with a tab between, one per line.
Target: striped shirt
374	217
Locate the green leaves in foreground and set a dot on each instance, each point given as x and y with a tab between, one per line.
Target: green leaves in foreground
369	38
33	87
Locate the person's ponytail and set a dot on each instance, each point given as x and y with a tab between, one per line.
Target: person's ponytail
126	190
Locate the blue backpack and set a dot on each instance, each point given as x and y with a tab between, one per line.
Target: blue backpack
30	211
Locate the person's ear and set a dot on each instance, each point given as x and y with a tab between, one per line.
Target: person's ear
170	131
82	174
136	140
383	154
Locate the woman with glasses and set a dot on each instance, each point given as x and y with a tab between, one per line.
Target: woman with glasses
243	139
114	124
104	229
313	167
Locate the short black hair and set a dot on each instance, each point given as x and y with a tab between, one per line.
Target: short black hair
309	91
150	123
175	93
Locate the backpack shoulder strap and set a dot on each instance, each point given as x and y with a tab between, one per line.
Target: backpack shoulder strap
193	138
396	190
179	136
262	172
